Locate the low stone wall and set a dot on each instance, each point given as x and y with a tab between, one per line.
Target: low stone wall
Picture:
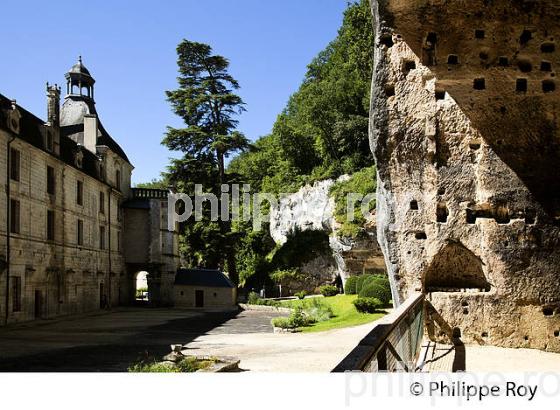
264	308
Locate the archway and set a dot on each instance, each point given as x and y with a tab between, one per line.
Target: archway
453	269
141	292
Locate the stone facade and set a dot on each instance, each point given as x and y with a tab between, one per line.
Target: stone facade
464	129
68	181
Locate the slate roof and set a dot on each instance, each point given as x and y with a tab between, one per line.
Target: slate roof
31	132
72	122
202	277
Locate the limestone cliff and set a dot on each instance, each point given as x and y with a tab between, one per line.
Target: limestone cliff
464	130
312	208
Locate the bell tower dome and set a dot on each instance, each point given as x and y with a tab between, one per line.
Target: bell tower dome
79	81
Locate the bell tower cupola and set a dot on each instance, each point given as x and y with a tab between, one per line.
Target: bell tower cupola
79	82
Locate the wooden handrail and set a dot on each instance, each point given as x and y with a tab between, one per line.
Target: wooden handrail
375	344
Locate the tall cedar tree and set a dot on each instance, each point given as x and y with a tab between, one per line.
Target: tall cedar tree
206	102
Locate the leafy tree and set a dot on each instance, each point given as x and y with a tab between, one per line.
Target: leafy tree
323	130
208	105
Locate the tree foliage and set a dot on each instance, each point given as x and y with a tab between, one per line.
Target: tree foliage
207	103
323	130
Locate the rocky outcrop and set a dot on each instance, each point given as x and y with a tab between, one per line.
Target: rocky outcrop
464	129
312	208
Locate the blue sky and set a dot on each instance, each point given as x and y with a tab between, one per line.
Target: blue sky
129	47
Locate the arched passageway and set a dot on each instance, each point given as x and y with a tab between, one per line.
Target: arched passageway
142	292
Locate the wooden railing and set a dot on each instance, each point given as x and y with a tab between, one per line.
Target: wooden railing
393	344
149	193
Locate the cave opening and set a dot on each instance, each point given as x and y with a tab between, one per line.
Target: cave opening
454	269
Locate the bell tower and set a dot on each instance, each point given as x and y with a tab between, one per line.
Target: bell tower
79	82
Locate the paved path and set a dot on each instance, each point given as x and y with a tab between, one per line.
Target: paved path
285	352
474	358
112	341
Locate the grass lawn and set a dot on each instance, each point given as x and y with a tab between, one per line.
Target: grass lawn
345	314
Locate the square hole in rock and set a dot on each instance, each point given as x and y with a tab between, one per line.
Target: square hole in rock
386	39
479	34
440	94
546	66
452	59
479	84
503	61
420	235
525	37
389	90
547	311
414	205
524	65
521	85
548	86
409	65
548	47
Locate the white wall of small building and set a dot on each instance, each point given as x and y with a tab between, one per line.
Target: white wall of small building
214	297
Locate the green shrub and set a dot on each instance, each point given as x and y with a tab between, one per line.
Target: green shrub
350	285
298	318
328	290
186	365
367	305
254	299
300	295
360	282
376	291
376	279
282	322
317	310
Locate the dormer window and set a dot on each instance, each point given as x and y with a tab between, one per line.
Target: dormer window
78	159
14	118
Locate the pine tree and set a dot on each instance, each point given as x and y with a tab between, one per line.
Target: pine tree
208	105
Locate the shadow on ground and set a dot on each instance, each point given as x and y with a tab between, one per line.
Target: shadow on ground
113	356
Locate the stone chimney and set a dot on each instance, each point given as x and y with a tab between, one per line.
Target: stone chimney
90	132
53	105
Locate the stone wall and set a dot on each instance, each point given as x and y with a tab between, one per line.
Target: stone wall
59	276
464	130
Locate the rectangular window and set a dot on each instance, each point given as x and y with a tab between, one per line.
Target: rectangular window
50	225
101	202
80	193
101	237
80	232
15	159
51	181
118	179
14	216
16	293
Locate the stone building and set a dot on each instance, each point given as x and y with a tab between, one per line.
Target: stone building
66	186
204	288
464	128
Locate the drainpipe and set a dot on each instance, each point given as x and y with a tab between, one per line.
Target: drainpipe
8	233
109	243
